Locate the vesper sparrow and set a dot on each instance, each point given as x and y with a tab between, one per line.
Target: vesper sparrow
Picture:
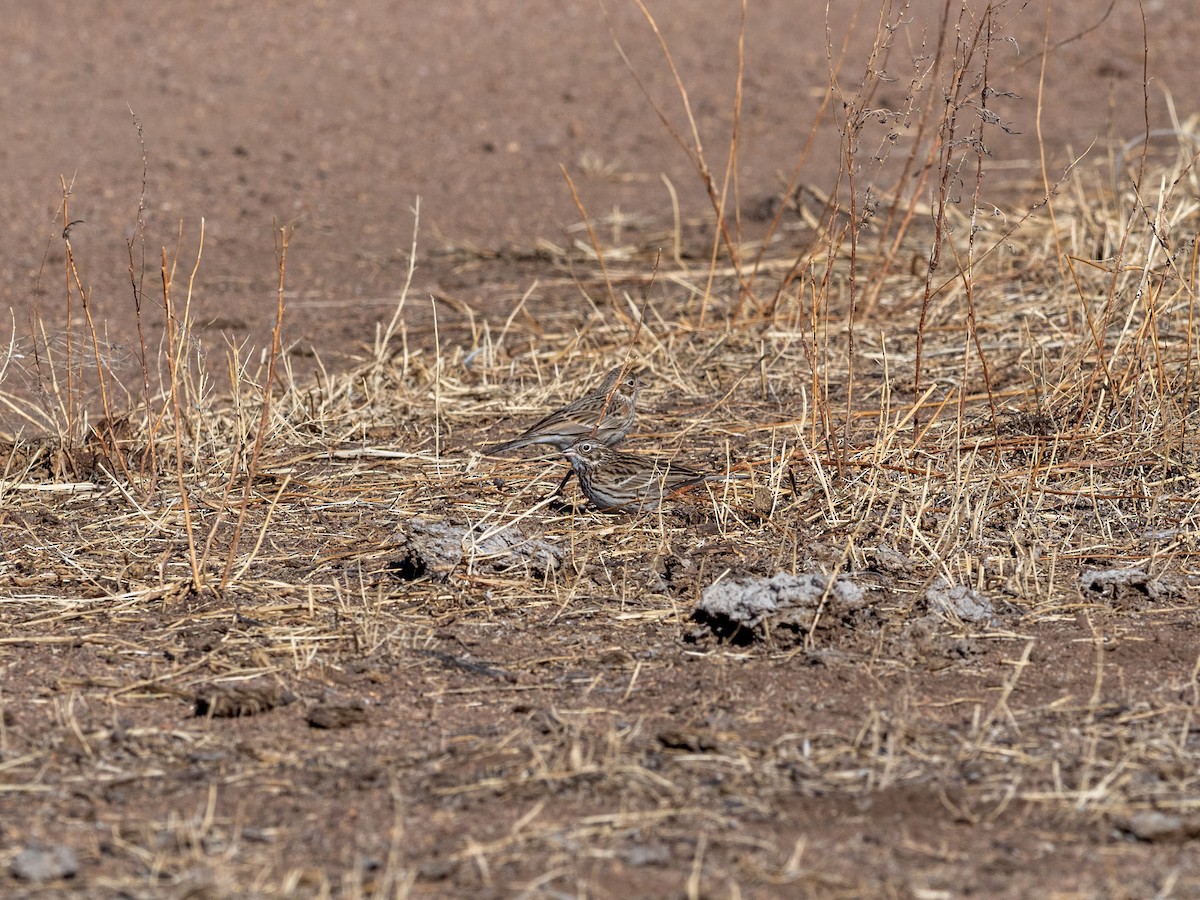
615	480
605	415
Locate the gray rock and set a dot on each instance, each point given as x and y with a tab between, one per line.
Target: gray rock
959	601
1114	584
747	603
1154	826
888	559
37	863
440	546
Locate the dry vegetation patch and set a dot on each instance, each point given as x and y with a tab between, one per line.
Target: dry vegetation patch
297	635
507	685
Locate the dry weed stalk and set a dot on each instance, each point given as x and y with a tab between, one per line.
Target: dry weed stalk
264	419
179	394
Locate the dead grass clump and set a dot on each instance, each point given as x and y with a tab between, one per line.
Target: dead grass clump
378	548
969	508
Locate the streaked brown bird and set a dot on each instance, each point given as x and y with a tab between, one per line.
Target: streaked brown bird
605	415
614	480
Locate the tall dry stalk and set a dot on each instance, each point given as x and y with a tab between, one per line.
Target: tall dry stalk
264	419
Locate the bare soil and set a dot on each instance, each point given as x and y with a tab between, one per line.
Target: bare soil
360	711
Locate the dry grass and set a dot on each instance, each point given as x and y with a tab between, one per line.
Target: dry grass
541	712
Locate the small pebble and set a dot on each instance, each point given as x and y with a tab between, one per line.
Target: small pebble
39	864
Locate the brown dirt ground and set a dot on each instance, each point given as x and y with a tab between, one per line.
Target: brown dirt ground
337	120
595	749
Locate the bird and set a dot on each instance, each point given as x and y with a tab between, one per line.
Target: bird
614	480
604	415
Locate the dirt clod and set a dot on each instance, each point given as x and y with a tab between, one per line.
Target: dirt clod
223	701
959	601
337	715
741	608
37	863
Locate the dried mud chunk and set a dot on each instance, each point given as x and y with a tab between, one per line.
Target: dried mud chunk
649	855
38	863
959	601
439	546
226	701
1154	826
748	607
337	715
1130	588
888	559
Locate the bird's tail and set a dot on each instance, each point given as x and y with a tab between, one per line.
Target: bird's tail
493	449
